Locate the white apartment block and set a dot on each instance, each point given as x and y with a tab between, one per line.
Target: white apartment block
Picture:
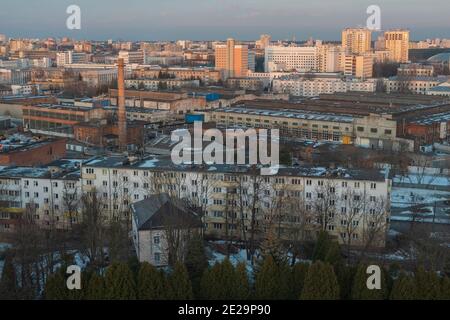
130	57
416	85
70	57
301	59
351	205
316	84
155	84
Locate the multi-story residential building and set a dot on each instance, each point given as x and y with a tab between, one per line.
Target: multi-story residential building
160	84
356	41
397	42
312	85
330	58
69	57
297	202
130	57
232	59
415	70
206	75
360	66
94	75
50	196
417	85
301	59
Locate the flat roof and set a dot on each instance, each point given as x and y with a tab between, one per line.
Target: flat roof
164	163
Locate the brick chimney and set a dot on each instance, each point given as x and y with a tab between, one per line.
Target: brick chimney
122	115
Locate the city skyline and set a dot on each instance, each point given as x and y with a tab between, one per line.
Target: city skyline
217	19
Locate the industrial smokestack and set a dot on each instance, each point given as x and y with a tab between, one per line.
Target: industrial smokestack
122	115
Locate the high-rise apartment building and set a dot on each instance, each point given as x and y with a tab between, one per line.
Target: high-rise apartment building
397	43
232	59
356	40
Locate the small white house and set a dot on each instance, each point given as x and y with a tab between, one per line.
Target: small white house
162	227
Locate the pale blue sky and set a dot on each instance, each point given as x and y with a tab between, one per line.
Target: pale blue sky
218	19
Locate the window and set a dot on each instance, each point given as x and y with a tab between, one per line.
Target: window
360	129
373	185
157	257
387	131
156	240
374	130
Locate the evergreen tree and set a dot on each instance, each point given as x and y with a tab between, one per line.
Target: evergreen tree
272	280
119	282
320	283
428	285
345	275
220	282
180	287
360	290
96	287
243	285
404	288
55	287
299	272
196	262
8	281
445	288
333	255
150	282
322	246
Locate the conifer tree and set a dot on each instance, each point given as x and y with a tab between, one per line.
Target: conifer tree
299	272
333	255
96	287
320	283
360	291
272	280
243	285
445	288
404	288
322	246
8	281
428	285
119	282
150	283
179	284
55	287
196	262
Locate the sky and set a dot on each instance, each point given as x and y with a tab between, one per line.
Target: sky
154	20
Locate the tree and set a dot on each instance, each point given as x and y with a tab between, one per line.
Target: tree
151	283
445	288
180	287
404	288
243	285
196	262
272	281
360	290
220	282
55	287
299	272
119	282
320	283
322	246
427	284
8	281
96	287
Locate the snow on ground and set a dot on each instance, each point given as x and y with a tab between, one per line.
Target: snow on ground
423	179
407	197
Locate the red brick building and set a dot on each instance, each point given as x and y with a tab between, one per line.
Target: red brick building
34	154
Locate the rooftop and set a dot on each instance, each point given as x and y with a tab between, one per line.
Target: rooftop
164	163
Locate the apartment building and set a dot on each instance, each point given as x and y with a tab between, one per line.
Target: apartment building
159	84
301	59
352	204
359	66
232	59
415	70
130	57
416	85
397	43
48	195
69	57
356	41
313	85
